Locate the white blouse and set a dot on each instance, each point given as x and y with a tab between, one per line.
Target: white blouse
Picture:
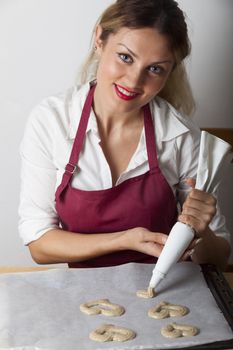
46	147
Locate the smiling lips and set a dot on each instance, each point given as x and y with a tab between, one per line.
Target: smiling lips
125	94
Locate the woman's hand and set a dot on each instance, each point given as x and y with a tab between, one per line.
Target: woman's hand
198	212
198	209
210	249
144	241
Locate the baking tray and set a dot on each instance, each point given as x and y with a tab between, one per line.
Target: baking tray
19	285
223	295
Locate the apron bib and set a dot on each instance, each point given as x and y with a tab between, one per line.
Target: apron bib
142	201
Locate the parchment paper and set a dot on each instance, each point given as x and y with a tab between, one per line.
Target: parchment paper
40	310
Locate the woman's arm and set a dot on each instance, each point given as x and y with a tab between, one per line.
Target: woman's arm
58	246
198	211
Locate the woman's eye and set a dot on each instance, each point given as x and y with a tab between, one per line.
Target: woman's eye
125	58
156	69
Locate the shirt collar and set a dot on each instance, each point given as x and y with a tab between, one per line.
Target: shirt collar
168	122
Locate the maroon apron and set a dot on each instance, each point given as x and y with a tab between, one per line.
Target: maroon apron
142	201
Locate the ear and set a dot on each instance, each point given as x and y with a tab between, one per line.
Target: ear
98	41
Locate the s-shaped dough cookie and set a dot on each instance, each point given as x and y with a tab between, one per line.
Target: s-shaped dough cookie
102	306
164	309
110	332
146	293
175	330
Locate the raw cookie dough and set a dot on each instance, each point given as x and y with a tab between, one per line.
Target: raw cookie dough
175	330
164	309
102	306
110	332
146	293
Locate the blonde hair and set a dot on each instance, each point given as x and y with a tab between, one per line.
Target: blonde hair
166	17
177	90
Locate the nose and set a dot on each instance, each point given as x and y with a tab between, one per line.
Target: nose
136	78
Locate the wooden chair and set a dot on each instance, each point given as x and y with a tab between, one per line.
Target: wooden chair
223	133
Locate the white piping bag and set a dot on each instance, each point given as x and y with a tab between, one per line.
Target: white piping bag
214	156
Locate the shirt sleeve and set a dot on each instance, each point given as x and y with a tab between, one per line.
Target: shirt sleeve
187	160
38	179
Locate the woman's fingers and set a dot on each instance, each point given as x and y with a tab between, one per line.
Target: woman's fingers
195	243
153	242
199	220
155	237
189	252
199	225
153	249
191	182
145	241
198	209
201	196
187	255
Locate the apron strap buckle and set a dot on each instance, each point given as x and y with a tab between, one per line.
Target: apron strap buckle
70	168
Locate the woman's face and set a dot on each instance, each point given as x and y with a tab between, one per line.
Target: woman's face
134	66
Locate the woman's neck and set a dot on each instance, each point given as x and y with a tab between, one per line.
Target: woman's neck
110	119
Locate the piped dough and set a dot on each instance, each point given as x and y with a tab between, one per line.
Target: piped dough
110	332
102	306
146	293
175	330
165	309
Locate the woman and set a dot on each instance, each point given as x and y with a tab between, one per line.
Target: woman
109	193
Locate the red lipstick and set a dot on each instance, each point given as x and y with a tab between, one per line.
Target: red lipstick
124	93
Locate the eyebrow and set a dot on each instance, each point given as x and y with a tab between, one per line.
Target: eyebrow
136	56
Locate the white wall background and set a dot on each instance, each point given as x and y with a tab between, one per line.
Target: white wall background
42	44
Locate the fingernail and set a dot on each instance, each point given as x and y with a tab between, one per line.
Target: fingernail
190	253
181	218
198	241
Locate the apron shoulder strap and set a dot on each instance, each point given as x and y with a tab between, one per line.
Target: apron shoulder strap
150	139
79	138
